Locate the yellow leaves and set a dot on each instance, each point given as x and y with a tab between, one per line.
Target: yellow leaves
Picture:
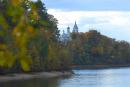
23	29
21	35
97	50
2	60
3	22
24	58
34	15
15	10
30	30
10	59
6	59
19	29
16	32
16	2
2	46
25	64
21	39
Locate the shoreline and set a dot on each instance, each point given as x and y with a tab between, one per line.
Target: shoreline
78	67
28	76
54	74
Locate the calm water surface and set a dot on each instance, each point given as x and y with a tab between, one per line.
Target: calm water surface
82	78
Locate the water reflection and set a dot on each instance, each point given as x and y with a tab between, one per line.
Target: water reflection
82	78
32	83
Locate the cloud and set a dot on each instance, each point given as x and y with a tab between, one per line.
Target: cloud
115	24
93	20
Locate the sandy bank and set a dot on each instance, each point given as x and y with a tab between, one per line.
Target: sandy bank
24	76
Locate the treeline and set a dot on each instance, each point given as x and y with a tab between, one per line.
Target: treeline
93	48
29	38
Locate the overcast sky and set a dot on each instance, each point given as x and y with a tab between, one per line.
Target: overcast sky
110	17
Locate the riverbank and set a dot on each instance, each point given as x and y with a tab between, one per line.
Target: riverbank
98	66
27	76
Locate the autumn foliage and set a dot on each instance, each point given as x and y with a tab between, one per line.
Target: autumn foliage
26	34
93	48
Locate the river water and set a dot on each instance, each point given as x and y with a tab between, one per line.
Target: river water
82	78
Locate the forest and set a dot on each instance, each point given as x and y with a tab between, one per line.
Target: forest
29	42
93	48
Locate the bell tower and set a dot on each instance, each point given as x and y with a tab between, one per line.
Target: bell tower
75	28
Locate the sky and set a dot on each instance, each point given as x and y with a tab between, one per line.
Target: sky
110	17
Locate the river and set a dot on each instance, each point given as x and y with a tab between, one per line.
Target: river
82	78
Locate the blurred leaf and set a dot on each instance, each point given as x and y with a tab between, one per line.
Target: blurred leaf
25	65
